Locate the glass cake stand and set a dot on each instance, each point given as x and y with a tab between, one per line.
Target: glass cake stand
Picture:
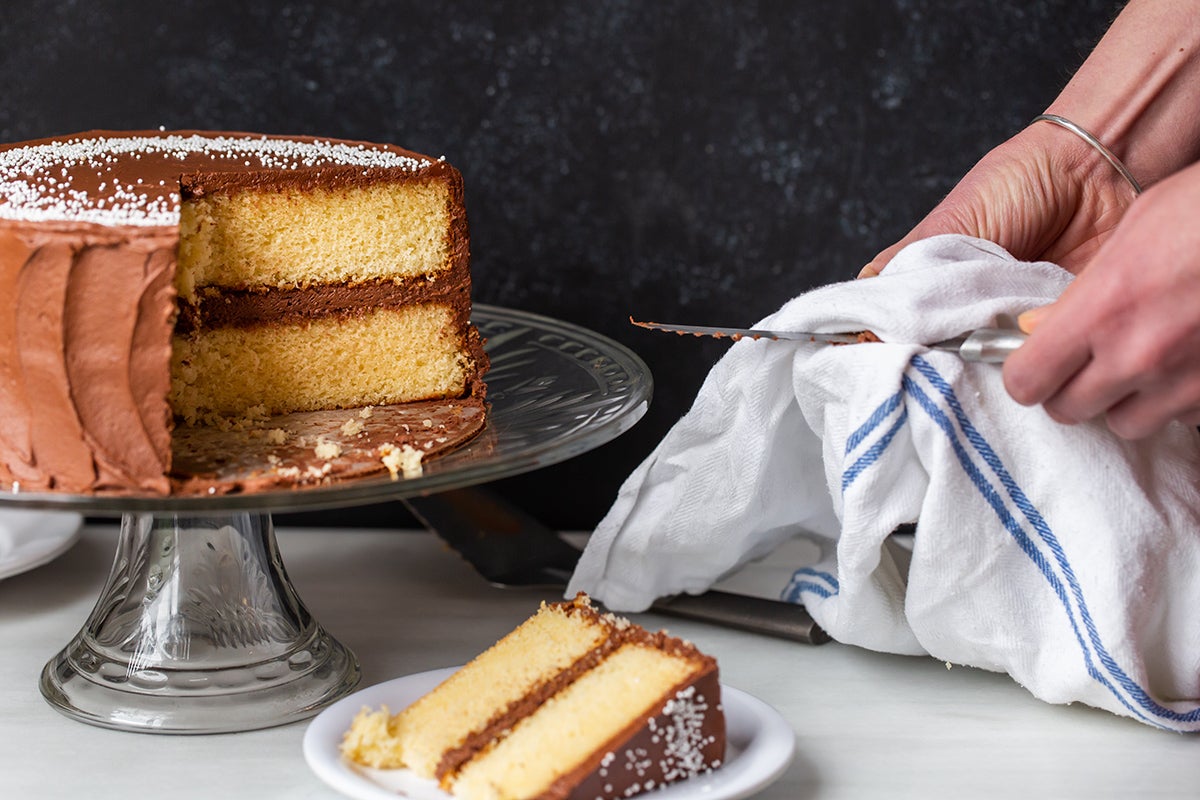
198	628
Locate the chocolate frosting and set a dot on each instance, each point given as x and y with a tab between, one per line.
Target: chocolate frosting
88	239
116	178
84	346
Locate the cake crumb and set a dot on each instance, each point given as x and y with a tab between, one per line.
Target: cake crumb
402	461
365	741
428	423
256	413
366	412
352	427
313	472
248	420
327	450
276	435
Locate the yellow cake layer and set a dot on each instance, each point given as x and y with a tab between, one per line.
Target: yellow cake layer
384	357
418	737
297	239
573	724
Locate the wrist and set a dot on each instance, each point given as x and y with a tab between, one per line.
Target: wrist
1095	144
1082	167
1070	195
1137	91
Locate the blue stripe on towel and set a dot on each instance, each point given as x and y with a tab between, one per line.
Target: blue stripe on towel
821	574
799	584
796	588
877	417
1141	701
873	452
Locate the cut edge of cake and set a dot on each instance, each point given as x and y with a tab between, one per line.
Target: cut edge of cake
314	289
589	728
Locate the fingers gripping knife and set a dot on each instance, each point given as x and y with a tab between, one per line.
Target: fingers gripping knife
510	548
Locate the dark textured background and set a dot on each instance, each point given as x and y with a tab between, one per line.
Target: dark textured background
687	161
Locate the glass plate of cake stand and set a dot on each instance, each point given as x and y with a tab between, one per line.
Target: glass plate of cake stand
198	628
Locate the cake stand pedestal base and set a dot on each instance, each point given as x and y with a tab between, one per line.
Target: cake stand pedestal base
198	630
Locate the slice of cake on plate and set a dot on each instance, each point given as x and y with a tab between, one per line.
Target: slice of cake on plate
571	704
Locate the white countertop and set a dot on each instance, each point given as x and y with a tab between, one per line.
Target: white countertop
867	725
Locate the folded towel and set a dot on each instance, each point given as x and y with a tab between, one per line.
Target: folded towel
1061	555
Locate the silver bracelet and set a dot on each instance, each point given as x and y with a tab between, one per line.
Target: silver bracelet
1096	144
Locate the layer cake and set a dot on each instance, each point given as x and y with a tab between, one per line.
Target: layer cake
573	703
161	281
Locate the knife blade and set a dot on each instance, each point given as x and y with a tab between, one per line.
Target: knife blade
508	547
985	345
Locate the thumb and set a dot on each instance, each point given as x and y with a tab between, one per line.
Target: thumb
876	265
942	219
1030	319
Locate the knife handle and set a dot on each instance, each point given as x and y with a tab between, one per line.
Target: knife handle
744	612
990	345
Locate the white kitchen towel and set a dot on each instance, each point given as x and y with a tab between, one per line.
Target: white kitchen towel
1061	555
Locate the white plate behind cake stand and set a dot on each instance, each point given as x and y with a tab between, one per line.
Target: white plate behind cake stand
30	539
760	747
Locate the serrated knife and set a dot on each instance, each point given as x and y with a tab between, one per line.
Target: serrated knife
510	548
987	345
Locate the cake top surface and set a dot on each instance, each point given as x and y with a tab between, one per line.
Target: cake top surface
132	177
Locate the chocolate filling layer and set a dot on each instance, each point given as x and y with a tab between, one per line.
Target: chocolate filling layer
243	308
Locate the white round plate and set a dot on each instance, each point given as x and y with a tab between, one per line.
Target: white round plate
29	539
760	745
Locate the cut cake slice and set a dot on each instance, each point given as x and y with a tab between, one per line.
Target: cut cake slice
572	704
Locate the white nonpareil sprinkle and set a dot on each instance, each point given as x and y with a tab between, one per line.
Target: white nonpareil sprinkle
27	194
684	756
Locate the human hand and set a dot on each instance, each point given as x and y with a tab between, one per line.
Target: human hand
1042	195
1123	340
